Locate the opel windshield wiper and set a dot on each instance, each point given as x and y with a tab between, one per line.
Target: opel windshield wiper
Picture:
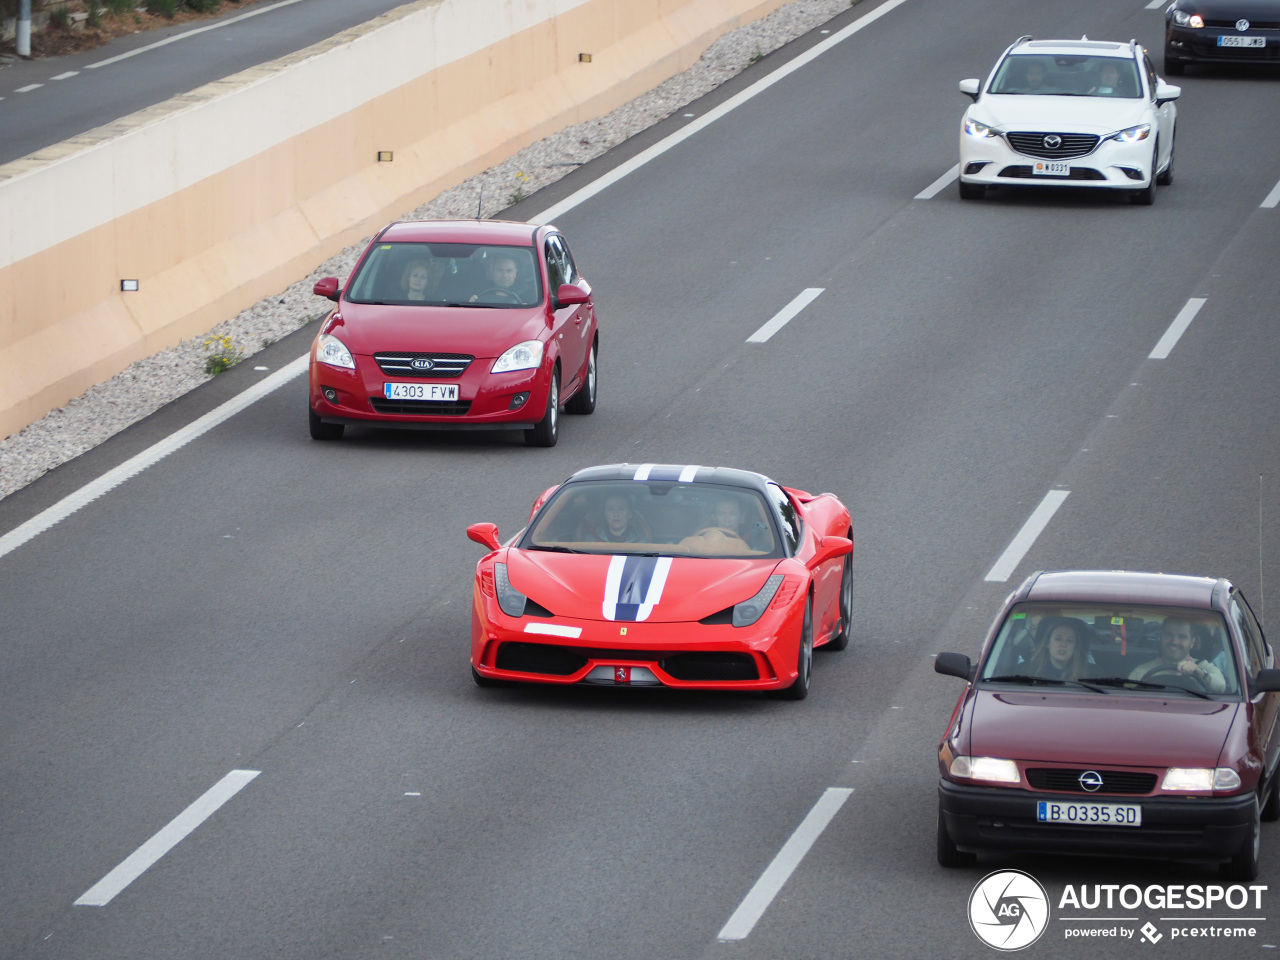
1146	685
1024	678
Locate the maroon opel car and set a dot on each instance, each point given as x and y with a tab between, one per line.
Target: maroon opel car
1114	713
478	324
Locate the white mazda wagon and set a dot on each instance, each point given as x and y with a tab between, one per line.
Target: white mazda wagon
1076	113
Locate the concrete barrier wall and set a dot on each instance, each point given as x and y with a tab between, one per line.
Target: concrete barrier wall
220	197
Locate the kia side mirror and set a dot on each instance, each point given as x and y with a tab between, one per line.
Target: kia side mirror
953	665
485	534
568	294
970	88
828	549
1166	93
328	288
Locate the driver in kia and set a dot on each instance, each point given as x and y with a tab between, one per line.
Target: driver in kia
1176	641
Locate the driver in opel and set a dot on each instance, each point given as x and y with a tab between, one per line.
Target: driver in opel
1176	640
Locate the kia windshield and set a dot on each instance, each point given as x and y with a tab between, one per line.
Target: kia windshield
447	274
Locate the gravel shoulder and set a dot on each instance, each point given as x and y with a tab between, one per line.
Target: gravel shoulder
148	384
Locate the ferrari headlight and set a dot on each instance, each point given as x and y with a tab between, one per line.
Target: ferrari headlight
331	350
992	769
1133	134
749	611
1200	778
976	129
523	356
510	600
1193	20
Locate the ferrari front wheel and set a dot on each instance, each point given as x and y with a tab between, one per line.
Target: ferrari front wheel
841	639
804	662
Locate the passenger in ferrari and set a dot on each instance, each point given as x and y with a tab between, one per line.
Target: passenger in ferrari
1175	660
621	523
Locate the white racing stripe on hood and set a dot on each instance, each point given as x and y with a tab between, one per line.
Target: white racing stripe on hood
633	586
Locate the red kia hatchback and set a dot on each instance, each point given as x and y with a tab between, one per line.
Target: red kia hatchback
1114	713
479	324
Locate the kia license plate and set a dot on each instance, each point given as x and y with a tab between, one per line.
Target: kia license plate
438	392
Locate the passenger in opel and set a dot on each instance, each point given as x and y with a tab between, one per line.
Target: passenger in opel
1176	641
1063	650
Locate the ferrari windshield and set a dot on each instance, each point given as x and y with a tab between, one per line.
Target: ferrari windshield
663	517
448	274
1067	76
1114	647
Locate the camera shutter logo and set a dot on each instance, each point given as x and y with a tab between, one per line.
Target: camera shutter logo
1008	910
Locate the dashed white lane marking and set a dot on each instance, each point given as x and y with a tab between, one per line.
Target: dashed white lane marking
1273	198
138	862
29	87
1034	526
1176	329
761	85
784	864
153	454
786	314
1156	4
191	33
944	181
67	76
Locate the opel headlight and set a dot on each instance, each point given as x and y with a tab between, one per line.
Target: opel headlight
976	129
749	611
523	356
992	769
510	600
1133	134
1200	778
331	350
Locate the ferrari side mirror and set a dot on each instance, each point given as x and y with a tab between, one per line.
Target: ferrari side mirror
485	534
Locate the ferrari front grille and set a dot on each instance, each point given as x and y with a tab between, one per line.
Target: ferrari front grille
1113	781
540	658
1053	146
711	666
434	365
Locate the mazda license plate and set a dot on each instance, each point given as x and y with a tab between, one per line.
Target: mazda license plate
1051	168
1090	814
440	392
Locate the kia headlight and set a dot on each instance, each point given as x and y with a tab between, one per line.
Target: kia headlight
1133	134
975	128
749	611
1192	20
991	769
1200	778
523	356
331	350
510	600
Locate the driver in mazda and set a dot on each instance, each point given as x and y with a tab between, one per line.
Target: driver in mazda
1176	640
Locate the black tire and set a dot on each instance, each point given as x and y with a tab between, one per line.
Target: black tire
321	430
804	662
483	681
584	401
1166	176
948	855
1271	809
972	191
1244	865
546	432
841	639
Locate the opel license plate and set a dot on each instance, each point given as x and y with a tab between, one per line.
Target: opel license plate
1090	814
439	392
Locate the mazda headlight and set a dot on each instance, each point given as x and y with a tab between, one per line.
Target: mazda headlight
992	769
976	129
1200	778
523	356
749	611
1193	20
1132	134
510	600
331	350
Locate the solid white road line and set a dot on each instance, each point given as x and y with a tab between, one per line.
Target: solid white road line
1035	524
760	86
191	33
935	188
784	864
137	863
1176	329
1273	198
786	314
153	454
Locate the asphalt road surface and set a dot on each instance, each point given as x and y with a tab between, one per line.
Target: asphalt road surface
260	602
46	101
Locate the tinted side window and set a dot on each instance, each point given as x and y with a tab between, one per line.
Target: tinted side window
1255	651
788	515
570	268
1151	76
555	264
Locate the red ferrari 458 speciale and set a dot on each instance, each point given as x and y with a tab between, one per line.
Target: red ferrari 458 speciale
658	575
